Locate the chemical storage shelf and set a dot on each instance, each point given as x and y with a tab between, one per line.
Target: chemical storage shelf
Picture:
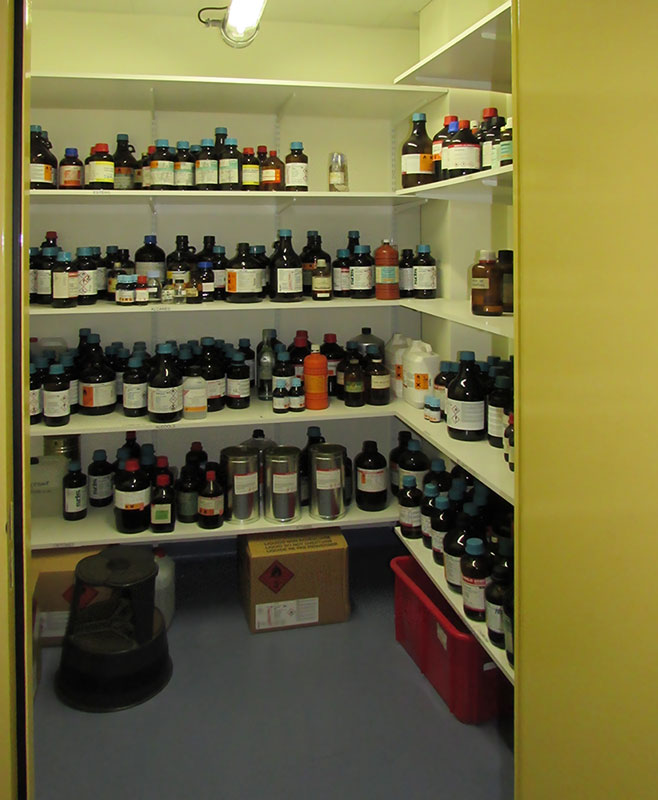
486	186
436	574
460	311
228	95
98	528
480	57
483	461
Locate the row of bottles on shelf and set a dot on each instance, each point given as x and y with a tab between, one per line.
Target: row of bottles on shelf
186	276
215	164
461	147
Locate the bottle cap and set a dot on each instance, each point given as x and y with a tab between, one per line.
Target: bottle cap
442	503
506	256
237	357
353	234
315	348
194	148
207	341
502	381
372	349
123	352
434	402
431	490
71	152
244	342
220	249
501	574
463	124
205	264
408	481
162	480
467	355
414	445
162	461
313	430
183	145
41	363
487	255
207	143
248	151
122	137
296	146
285	232
164	349
259	248
272	153
474	547
280	383
148	448
444	366
309	234
418	117
457	489
423	248
438	464
474	125
296	382
56	369
34	251
35	128
102	147
74	466
84	251
49	251
99	455
221	131
362	248
63	256
135	362
132	465
162	142
352	345
489	112
450	118
33	369
231	142
262	148
511	419
471	509
505	546
283	355
370	446
330	338
93	338
300	341
343	253
453	127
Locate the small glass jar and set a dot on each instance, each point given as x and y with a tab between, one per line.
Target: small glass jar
338	180
125	290
154	287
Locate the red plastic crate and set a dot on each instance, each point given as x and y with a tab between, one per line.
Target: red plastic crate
447	653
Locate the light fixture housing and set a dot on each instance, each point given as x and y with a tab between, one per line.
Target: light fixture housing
241	22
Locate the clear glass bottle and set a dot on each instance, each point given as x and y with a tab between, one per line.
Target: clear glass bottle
321	280
338	179
195	399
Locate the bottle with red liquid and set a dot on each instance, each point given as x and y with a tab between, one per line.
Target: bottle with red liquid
387	278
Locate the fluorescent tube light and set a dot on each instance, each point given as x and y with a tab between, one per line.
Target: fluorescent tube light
241	22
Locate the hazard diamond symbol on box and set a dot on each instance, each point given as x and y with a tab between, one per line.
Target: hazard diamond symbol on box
276	576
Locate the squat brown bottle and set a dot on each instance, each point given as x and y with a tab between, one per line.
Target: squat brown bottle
101	168
416	164
272	174
487	286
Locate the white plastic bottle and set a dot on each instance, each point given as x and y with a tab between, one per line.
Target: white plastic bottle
419	366
165	585
394	353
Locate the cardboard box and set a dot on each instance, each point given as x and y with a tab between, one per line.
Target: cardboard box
294	580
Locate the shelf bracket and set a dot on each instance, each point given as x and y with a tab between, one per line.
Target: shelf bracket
152	110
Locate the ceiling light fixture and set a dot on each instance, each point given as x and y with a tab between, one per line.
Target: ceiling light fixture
240	22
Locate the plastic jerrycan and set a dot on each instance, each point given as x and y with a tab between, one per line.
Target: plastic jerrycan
419	366
393	356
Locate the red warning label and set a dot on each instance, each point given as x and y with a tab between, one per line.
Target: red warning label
276	576
88	595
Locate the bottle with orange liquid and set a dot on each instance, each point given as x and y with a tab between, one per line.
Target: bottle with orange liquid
315	379
387	278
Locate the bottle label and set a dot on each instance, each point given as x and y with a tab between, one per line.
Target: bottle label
35	401
328	479
56	404
394	472
424	277
387	275
341	279
246	483
509	633
124	178
426	524
495	155
65	285
208	287
75	499
409	517
289	280
417	164
340	378
332	363
187	503
487	153
165	400
144	267
95	395
138	176
284	482
479	283
453	569
206	171
244	280
506	150
464	156
421	381
100	487
494	617
297	401
361	277
162	173
184	173
437	540
495	421
440	392
271	175
101	279
371	480
194	399
299	370
87	282
473	593
142	294
132	501
135	395
215	388
250	175
508	290
286	378
124	296
354	386
407	279
41	173
146	177
465	415
296	174
211	506
280	403
380	381
44	281
237	387
161	514
436	150
228	170
321	283
73	393
101	172
433	414
337	178
70	176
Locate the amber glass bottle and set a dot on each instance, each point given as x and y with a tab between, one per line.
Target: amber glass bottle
416	164
487	286
296	169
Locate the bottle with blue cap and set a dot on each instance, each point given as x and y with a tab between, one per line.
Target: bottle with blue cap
238	390
85	264
500	400
454	544
230	166
125	163
34	262
75	495
161	168
244	346
416	163
165	391
414	462
296	168
71	170
43	174
463	151
476	568
206	176
219	265
280	397
65	281
441	381
97	380
409	503
439	475
442	521
465	401
453	130
35	399
135	388
71	372
286	272
428	511
296	395
184	166
425	274
362	273
220	138
56	397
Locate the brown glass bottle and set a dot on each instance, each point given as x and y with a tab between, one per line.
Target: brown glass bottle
101	168
354	388
43	172
124	163
476	573
506	264
416	162
465	401
132	499
437	145
272	174
487	286
377	381
296	169
250	171
463	152
507	144
230	167
410	499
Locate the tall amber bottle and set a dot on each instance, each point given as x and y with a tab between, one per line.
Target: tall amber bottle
416	164
487	286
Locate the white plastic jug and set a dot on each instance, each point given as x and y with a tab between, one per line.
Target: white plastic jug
419	366
394	352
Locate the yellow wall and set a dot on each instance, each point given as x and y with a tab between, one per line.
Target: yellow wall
587	687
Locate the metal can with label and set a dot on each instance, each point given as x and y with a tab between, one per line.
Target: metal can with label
327	481
282	499
239	466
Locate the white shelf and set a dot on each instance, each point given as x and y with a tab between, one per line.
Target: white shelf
103	307
228	95
486	186
460	311
436	574
98	528
478	58
484	462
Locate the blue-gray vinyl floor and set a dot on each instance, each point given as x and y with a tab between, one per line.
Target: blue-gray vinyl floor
334	712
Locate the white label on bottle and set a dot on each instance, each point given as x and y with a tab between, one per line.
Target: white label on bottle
44	281
296	174
132	501
161	514
371	480
135	395
211	506
100	486
194	399
244	280
433	414
165	400
453	569
215	387
361	277
124	296
299	370
284	482
142	294
95	395
208	286
70	176
124	180
327	479
437	540
228	170
246	483
387	275
495	421
237	387
42	173
297	401
162	173
341	279
418	475
65	285
473	592
56	404
426	524
487	153
436	150
380	381
220	277
321	283
495	155
464	156
35	401
74	392
146	177
271	175
87	282
440	392
287	381
101	279
100	172
250	175
144	267
75	499
465	415
337	178
417	164
494	617
406	279
280	403
410	517
206	171
332	363
289	280
424	277
479	283
506	148
184	173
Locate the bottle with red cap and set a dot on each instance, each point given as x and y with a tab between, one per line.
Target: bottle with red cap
211	502
250	170
463	152
272	174
487	115
163	505
50	240
132	499
162	468
300	349
146	167
101	168
334	354
261	154
438	142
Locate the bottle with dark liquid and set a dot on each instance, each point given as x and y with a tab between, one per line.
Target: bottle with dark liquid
428	511
286	272
377	379
476	573
463	151
244	277
165	391
296	169
42	173
250	171
125	164
184	167
132	499
409	502
417	168
210	510
442	522
487	286
465	401
97	382
371	478
354	384
506	265
230	167
404	437
272	174
100	476
406	272
75	493
437	145
362	273
494	596
163	505
425	274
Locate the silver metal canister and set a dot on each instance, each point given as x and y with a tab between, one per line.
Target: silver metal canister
240	467
327	481
62	445
282	500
